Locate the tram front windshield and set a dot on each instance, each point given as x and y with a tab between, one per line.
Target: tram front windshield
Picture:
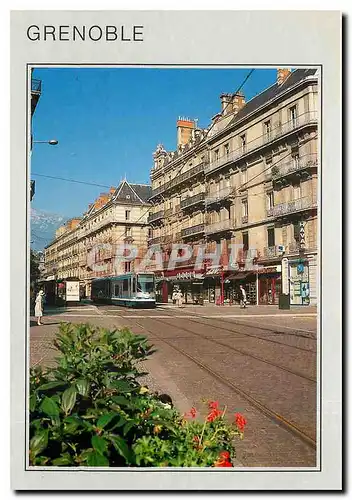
145	283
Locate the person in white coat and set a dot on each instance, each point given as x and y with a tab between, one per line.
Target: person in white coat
38	309
179	298
243	297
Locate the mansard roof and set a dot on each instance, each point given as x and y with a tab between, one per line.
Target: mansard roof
272	92
132	194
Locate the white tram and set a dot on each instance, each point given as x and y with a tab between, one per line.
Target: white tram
129	290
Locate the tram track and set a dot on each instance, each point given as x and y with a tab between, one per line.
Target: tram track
242	352
197	319
262	408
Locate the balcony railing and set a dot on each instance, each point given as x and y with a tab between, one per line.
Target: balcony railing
217	227
280	130
157	216
219	196
155	241
192	200
189	231
270	252
291	207
179	179
36	86
291	167
294	247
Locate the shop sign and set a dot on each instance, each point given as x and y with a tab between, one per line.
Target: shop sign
188	275
269	270
72	291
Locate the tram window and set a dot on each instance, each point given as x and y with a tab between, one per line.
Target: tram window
116	290
134	283
145	283
125	285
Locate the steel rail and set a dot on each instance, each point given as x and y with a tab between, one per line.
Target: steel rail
272	415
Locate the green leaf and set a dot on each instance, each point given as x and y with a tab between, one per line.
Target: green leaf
50	407
94	459
99	444
129	426
105	419
121	401
69	399
123	386
32	402
51	385
120	446
39	442
65	459
71	424
83	387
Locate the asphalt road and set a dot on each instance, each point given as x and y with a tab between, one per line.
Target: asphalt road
260	362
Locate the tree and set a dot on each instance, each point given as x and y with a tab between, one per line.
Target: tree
34	267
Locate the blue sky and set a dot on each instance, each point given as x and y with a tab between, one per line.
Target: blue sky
108	122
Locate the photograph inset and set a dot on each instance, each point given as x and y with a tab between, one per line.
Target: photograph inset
174	267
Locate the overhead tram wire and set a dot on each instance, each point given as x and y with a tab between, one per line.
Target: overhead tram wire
233	94
214	123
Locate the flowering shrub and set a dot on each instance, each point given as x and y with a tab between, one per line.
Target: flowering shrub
90	410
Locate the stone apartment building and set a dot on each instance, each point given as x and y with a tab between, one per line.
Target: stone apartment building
86	247
250	179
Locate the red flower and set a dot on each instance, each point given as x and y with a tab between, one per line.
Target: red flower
240	421
214	411
224	460
192	413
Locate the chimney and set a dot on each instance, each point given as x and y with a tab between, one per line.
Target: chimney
226	103
238	101
185	130
282	75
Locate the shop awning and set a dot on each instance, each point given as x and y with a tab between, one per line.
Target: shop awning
238	276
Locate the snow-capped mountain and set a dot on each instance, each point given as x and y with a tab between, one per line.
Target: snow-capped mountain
43	227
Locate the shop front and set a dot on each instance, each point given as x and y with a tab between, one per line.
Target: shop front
187	280
299	288
248	281
269	285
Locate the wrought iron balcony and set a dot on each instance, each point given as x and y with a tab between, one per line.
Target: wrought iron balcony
280	130
218	227
290	207
185	176
36	86
36	89
295	247
157	216
270	252
154	241
192	200
292	167
190	231
219	196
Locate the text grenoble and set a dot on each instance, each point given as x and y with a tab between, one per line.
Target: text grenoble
94	33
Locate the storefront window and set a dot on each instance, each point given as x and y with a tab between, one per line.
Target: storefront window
299	283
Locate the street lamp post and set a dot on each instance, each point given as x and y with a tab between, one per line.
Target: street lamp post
222	287
52	142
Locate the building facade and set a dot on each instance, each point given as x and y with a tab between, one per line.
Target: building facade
87	247
250	180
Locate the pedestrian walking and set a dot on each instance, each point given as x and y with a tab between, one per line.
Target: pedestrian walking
174	296
179	298
38	309
243	297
